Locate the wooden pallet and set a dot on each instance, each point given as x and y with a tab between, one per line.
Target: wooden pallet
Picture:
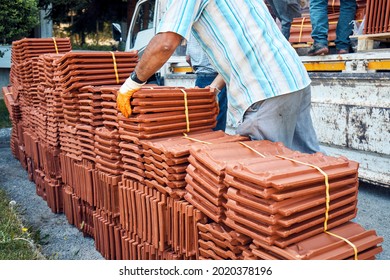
301	45
366	41
308	45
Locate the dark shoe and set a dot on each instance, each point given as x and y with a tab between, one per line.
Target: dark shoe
342	51
317	49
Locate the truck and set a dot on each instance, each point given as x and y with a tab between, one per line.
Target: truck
350	95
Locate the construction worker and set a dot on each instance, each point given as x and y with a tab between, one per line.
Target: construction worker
320	27
268	86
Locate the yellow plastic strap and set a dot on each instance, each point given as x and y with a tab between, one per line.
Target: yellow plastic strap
55	45
253	150
301	25
301	29
195	140
348	242
327	198
186	109
115	67
327	202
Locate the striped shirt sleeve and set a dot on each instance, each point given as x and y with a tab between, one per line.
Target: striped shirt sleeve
180	15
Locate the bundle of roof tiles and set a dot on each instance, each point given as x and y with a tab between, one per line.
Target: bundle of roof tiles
272	194
79	69
161	111
25	75
24	50
324	246
166	159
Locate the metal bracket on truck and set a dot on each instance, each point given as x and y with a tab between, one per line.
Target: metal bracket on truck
363	62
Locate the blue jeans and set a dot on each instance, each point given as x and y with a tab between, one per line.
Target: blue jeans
285	11
203	80
320	24
285	119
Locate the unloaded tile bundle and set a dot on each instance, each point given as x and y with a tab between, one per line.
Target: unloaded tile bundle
25	50
166	159
79	69
163	111
326	247
274	195
205	176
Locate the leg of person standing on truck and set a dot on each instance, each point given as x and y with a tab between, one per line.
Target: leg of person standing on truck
320	26
286	11
268	86
205	75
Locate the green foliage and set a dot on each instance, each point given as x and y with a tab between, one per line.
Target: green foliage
85	16
4	115
15	239
17	19
88	47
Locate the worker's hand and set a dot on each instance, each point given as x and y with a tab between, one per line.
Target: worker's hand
124	94
216	92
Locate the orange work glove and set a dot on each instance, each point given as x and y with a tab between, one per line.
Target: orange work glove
124	94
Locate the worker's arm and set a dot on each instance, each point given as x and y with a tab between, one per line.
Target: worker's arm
188	59
218	83
158	51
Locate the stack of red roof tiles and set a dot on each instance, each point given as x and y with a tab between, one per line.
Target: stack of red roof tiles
274	195
90	158
33	84
377	17
162	184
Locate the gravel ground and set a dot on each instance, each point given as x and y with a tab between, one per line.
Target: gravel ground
64	242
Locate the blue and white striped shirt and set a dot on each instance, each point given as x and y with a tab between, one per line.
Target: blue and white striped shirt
245	46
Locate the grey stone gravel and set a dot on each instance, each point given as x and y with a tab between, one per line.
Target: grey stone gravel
5	134
374	213
63	241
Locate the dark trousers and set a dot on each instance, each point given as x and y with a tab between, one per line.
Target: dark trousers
203	80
